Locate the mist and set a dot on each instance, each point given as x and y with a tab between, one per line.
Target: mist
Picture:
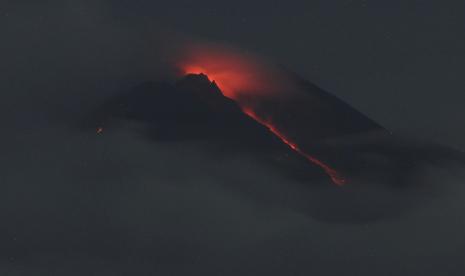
74	201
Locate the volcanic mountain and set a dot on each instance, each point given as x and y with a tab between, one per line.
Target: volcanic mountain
344	147
195	108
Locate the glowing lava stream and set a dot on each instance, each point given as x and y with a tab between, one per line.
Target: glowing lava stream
332	173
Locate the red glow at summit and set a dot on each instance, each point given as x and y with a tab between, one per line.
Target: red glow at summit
239	76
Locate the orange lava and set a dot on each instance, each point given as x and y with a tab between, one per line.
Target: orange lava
333	174
236	76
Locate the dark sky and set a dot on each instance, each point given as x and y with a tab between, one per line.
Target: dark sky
76	203
398	61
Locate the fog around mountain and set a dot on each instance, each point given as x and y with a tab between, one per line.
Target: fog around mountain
135	199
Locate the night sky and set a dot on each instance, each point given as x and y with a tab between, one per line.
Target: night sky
74	201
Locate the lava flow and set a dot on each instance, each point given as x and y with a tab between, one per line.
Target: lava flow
234	77
333	174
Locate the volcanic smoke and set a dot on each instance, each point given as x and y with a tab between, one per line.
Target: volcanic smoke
238	77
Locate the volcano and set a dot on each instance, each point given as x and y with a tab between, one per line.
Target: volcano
195	107
357	155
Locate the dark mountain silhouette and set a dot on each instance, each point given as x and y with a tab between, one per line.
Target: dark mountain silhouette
190	109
